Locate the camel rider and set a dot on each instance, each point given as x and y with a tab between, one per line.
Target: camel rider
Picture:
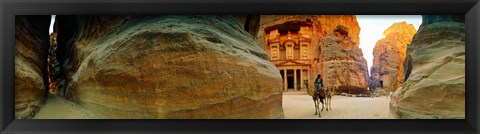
318	83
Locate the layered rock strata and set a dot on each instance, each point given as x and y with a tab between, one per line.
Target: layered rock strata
434	72
343	65
31	48
168	67
389	54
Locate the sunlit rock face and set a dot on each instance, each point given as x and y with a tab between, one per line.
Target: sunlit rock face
168	67
31	46
332	48
343	64
389	54
434	72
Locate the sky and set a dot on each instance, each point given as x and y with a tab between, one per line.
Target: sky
51	24
371	30
372	27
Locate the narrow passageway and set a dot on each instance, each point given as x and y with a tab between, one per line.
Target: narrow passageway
59	108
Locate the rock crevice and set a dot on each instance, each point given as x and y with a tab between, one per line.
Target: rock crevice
435	86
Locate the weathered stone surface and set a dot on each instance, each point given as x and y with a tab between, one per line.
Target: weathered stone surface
31	46
389	54
336	56
251	23
435	85
169	67
342	64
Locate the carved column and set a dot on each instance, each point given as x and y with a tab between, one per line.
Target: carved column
302	84
294	79
285	86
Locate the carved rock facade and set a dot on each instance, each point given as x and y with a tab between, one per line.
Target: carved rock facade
302	46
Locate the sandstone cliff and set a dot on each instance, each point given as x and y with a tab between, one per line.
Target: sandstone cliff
31	46
250	23
168	67
336	56
342	64
434	71
389	54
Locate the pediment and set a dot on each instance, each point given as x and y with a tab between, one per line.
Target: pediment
292	62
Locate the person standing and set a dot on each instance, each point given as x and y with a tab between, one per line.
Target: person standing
373	85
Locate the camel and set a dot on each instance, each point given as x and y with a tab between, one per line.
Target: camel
328	98
324	97
317	97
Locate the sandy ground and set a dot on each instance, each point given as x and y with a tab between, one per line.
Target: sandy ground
295	106
300	106
59	108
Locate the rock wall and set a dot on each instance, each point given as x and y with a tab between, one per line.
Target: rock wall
342	64
31	46
435	71
168	67
250	23
389	54
337	57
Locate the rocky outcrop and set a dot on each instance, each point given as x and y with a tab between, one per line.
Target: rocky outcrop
168	67
389	54
336	56
342	64
31	46
435	82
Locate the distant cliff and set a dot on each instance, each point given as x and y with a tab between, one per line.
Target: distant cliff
389	54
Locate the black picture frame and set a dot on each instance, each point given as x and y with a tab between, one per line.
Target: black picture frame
10	8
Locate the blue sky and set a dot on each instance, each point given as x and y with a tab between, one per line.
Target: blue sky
372	27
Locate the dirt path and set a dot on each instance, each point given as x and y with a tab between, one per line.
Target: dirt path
300	106
59	108
295	106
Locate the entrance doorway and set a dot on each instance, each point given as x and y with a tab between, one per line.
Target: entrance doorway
290	79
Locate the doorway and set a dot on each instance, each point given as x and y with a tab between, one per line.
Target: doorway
290	80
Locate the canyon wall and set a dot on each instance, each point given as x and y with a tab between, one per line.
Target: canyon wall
31	47
334	48
343	64
389	54
434	68
250	23
167	67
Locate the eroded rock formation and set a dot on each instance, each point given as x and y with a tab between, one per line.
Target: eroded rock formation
435	71
389	54
342	64
333	47
31	46
168	67
250	23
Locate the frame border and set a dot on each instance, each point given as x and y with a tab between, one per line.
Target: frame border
10	8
